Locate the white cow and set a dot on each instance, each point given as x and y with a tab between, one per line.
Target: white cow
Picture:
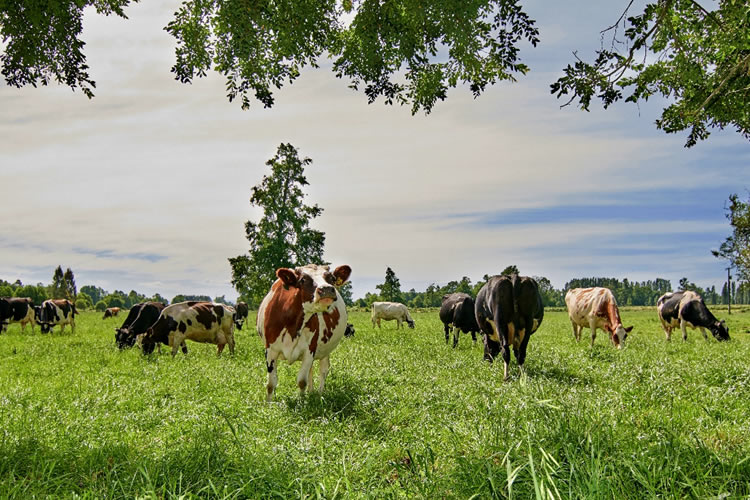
390	311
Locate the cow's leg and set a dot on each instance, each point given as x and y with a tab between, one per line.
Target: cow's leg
683	327
456	333
667	330
398	324
447	332
592	325
372	318
323	367
62	328
491	348
231	343
521	351
183	347
272	377
576	331
310	374
474	336
177	340
219	349
304	371
703	331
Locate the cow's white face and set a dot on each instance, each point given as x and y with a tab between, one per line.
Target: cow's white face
316	284
620	335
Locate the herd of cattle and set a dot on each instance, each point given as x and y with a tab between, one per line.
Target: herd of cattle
303	318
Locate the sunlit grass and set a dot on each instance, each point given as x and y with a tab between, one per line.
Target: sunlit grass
403	415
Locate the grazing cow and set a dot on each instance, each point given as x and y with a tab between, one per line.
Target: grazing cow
241	315
17	310
140	318
303	317
204	322
457	312
686	308
111	312
595	308
56	312
508	310
389	311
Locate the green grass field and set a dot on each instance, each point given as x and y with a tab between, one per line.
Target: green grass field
403	415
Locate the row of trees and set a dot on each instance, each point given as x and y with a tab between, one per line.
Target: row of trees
63	286
626	292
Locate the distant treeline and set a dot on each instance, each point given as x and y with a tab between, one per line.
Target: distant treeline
89	296
626	292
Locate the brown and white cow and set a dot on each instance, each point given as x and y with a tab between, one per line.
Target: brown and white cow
55	312
17	310
302	318
596	308
205	322
111	312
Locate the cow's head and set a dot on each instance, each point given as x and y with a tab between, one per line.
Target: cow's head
349	332
315	284
619	335
410	322
720	330
124	338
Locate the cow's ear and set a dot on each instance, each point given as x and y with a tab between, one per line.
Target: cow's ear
287	276
342	274
629	329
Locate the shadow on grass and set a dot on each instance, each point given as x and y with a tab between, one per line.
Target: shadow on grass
340	401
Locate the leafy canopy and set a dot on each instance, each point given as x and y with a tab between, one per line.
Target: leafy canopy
698	59
405	51
282	237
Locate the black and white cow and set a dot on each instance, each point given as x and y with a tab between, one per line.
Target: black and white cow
55	312
457	313
508	310
686	308
240	315
140	318
206	322
17	310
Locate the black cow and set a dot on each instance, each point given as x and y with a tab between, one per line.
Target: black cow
17	310
240	315
349	332
686	308
457	312
508	310
140	318
56	312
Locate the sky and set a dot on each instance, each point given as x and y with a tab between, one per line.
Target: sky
147	185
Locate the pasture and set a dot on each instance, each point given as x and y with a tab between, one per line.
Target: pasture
403	415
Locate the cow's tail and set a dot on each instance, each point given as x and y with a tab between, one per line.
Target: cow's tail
516	283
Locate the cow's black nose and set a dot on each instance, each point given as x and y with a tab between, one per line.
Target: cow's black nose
326	292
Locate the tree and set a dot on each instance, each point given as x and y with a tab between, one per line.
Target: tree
405	51
346	293
69	283
282	237
390	289
83	301
699	59
57	288
36	293
94	292
736	248
512	269
100	306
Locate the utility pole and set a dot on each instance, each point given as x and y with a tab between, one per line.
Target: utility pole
729	290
